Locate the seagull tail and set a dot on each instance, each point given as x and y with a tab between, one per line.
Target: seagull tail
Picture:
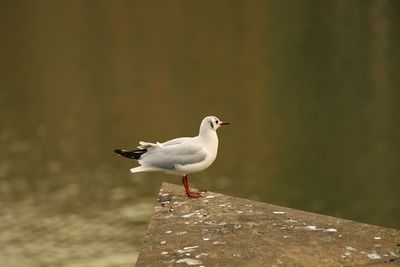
131	154
144	169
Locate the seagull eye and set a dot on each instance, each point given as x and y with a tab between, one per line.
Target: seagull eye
216	121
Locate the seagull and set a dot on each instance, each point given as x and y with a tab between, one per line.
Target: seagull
179	156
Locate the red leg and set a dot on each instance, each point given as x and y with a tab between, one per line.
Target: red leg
188	192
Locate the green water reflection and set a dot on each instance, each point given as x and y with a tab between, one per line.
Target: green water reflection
310	87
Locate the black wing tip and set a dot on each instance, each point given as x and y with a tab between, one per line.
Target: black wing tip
134	154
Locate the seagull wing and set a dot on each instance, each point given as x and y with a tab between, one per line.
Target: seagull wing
168	156
176	141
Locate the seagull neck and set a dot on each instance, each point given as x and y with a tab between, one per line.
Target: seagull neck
208	135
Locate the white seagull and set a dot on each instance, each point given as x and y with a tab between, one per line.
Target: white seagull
179	156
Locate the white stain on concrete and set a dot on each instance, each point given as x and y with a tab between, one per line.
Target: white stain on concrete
312	228
190	214
181	233
330	230
394	254
187	248
189	261
374	256
202	255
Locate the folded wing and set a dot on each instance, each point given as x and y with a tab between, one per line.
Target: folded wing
168	155
176	141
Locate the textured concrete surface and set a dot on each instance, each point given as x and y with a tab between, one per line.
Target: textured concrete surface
219	230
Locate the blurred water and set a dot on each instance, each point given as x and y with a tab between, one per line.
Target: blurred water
309	87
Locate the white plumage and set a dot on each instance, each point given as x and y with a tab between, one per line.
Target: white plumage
179	156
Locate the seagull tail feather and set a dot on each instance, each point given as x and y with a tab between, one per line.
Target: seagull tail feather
144	169
131	154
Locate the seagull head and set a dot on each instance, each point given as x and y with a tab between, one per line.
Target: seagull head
211	123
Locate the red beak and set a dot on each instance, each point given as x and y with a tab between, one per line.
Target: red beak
224	123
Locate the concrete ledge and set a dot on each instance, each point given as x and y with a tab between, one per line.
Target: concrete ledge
219	230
